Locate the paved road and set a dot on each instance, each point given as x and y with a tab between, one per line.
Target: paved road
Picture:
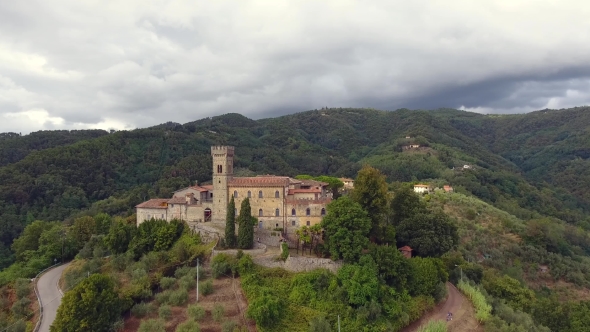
50	295
451	304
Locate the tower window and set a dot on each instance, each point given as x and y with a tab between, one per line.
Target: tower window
293	212
277	194
308	212
260	212
276	212
308	223
219	169
235	193
323	211
260	194
249	194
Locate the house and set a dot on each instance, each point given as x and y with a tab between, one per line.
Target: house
275	201
406	251
466	166
421	188
348	183
448	188
411	146
543	268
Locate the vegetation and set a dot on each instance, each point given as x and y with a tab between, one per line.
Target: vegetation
245	224
482	309
230	226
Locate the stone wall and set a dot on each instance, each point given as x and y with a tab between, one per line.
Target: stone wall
267	237
259	249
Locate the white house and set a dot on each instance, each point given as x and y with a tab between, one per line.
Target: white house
421	188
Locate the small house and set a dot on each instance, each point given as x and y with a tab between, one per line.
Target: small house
448	188
406	251
421	188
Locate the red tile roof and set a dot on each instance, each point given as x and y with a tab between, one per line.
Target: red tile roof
260	181
208	187
156	203
421	185
313	183
177	200
197	188
405	248
299	191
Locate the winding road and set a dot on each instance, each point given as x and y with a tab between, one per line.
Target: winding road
50	295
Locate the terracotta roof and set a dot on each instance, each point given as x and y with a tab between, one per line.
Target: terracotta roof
260	181
313	183
405	248
421	185
197	188
299	191
177	200
346	179
208	186
156	203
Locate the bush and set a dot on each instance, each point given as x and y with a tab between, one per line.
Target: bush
223	264
120	262
218	312
22	287
187	283
141	309
319	324
164	297
285	252
19	326
196	312
178	297
206	288
434	326
167	282
482	308
188	326
186	271
20	308
152	325
228	326
165	312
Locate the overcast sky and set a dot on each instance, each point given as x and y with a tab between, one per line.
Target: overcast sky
70	64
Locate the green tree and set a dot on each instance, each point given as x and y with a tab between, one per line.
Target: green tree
405	204
93	305
103	223
119	236
360	281
29	239
266	310
427	273
430	234
82	230
246	227
370	191
346	229
319	324
394	268
230	224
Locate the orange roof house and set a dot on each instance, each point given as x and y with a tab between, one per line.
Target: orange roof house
406	251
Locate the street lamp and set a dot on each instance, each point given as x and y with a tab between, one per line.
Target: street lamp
461	269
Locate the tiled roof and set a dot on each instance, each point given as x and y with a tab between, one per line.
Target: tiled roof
346	180
156	203
313	183
208	187
197	188
260	181
405	248
421	185
177	200
300	191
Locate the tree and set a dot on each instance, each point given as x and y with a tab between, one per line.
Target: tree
427	273
266	310
346	229
319	324
405	204
429	234
82	230
93	305
370	191
360	281
246	227
29	239
230	224
394	268
119	236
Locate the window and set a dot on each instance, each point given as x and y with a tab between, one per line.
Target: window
277	225
235	194
219	169
308	223
293	213
260	194
249	194
260	212
276	212
308	212
292	222
162	217
323	211
277	194
211	195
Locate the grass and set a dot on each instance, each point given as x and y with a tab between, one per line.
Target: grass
483	310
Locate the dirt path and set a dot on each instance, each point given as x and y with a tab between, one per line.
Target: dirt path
463	313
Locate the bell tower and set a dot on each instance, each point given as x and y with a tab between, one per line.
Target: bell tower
223	164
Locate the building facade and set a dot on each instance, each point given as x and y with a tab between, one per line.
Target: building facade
277	202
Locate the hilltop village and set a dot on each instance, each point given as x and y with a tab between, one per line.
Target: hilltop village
276	201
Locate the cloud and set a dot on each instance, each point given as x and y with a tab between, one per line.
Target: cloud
126	64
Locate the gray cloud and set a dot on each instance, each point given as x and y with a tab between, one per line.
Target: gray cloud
113	64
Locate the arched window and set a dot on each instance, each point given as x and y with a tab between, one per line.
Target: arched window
308	223
219	169
323	211
277	194
249	194
260	212
260	194
293	213
308	212
235	193
276	212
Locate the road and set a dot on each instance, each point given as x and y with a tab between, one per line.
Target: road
50	295
463	315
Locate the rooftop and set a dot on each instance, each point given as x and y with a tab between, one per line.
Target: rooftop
260	181
156	203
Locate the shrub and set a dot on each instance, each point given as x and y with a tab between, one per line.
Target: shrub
319	324
120	262
167	282
178	297
141	309
165	312
20	308
228	326
164	297
186	271
482	308
22	287
152	325
187	283
119	325
188	326
223	264
18	326
206	288
196	312
434	326
218	312
285	252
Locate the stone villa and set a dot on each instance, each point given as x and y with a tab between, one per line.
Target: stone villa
276	201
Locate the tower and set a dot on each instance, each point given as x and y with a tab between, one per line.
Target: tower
223	160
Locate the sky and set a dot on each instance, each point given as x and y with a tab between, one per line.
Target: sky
70	64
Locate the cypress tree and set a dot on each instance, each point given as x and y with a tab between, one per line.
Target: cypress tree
230	224
246	228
